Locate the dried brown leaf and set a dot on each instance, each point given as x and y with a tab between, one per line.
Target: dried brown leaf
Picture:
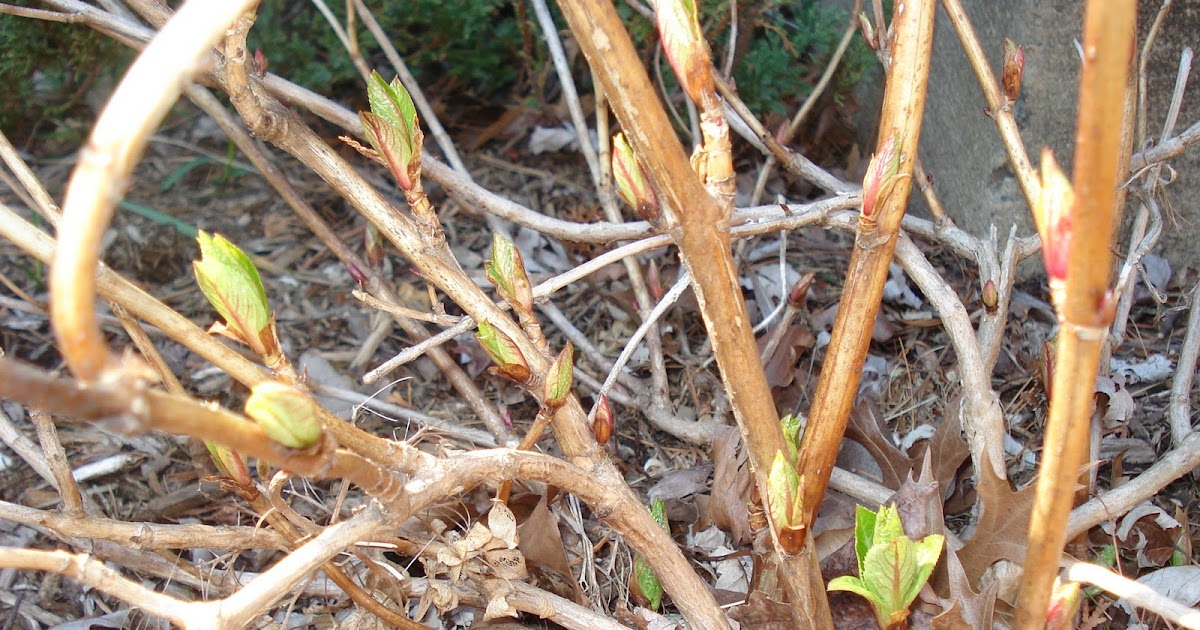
731	486
964	609
1002	528
545	555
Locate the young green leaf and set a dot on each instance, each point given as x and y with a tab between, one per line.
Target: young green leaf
892	568
559	377
506	270
784	503
644	580
391	146
793	428
392	102
230	463
503	352
288	415
232	285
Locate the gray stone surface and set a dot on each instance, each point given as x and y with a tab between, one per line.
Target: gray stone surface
961	147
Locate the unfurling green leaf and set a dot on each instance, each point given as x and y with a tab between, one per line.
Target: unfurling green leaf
782	490
392	129
232	285
503	352
506	270
392	102
632	182
288	415
793	429
230	463
645	583
391	147
892	568
559	378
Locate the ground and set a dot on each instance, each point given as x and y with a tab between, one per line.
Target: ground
188	181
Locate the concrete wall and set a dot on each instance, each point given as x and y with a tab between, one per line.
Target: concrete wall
960	145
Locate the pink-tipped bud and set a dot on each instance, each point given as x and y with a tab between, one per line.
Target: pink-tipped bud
1064	603
230	463
882	174
654	282
868	30
683	41
602	425
1052	214
260	63
373	243
799	291
632	183
1014	68
1046	367
990	297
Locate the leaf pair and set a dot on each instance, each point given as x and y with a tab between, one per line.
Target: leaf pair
892	568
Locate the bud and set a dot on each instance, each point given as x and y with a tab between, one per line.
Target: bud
868	31
784	503
288	415
682	40
260	63
506	270
230	463
990	297
632	183
602	424
799	290
559	377
654	282
504	353
373	244
793	429
644	584
232	285
1046	367
1064	603
392	129
1014	68
882	175
1052	214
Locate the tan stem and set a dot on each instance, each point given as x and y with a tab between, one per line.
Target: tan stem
903	107
141	100
1109	37
275	124
702	234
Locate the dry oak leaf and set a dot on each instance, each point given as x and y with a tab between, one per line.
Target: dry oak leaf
1002	528
947	447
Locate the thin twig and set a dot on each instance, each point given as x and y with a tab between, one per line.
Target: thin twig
56	458
1179	411
668	300
143	535
1133	592
150	87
